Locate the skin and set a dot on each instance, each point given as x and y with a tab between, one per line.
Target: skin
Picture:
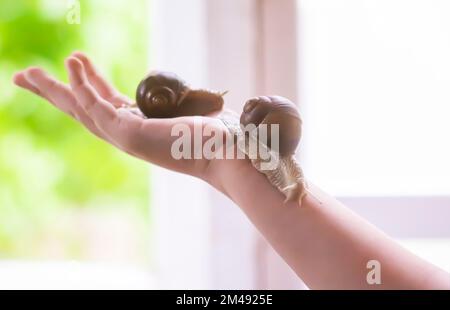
324	242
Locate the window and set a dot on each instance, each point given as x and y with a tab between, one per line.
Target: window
374	78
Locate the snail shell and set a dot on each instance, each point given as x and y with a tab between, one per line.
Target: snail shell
275	110
287	176
164	95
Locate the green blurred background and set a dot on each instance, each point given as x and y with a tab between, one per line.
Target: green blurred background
64	194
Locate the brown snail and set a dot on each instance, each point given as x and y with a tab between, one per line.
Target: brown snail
287	175
163	95
275	110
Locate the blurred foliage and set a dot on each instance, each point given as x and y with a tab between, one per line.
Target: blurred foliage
48	163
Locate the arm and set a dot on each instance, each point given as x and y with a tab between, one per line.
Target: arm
324	243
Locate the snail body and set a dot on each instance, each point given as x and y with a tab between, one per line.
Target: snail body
287	175
164	95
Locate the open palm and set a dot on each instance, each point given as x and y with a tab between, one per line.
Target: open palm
95	103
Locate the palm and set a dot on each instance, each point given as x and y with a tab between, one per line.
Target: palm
99	107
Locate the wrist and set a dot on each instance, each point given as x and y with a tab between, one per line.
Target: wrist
223	173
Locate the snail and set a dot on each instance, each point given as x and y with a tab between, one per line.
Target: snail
275	110
287	175
164	95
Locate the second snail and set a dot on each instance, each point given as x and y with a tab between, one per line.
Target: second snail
165	95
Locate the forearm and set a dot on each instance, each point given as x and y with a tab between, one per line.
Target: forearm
324	242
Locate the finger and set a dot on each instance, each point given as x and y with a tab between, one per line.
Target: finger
20	80
87	96
51	89
60	96
103	114
103	87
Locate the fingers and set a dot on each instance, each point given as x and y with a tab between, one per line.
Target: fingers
87	96
21	81
103	87
39	82
82	101
51	89
119	127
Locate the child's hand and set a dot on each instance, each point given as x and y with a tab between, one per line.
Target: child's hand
99	107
